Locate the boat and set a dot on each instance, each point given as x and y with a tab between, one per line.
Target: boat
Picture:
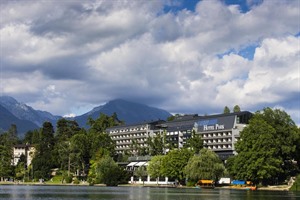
206	184
242	185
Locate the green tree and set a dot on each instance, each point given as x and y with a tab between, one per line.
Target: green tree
43	159
258	150
98	137
236	109
175	162
80	148
28	137
286	138
104	170
20	170
13	133
226	110
156	144
156	166
207	165
141	172
63	153
66	129
195	142
6	155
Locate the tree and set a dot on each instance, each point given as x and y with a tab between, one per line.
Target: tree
20	170
104	170
256	159
207	165
64	150
266	148
156	144
195	143
141	172
98	137
6	155
66	129
28	137
103	122
43	160
236	109
175	162
156	166
13	133
226	110
80	148
286	137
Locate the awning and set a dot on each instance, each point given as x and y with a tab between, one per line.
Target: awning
131	164
140	164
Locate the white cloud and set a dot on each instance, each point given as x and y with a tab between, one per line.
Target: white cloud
61	56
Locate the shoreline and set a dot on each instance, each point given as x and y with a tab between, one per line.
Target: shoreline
266	188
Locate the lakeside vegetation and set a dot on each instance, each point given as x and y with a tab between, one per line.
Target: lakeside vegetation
268	154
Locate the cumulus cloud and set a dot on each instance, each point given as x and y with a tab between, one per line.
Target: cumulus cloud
70	56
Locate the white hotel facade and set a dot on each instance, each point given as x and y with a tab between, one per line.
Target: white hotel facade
219	132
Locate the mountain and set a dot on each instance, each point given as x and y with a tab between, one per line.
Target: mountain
24	112
7	119
127	111
26	118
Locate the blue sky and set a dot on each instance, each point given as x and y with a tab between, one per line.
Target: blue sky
184	56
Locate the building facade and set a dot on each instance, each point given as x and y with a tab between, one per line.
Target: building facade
129	138
23	149
219	132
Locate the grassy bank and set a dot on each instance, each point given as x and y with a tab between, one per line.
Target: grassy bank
296	185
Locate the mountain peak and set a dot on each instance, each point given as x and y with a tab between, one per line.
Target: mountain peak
127	111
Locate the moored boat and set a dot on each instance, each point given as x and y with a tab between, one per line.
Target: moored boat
243	185
206	184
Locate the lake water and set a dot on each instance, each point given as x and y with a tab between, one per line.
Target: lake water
26	192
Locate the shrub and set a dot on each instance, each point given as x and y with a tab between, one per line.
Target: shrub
69	179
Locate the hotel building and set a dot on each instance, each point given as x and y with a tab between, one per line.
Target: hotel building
219	132
23	149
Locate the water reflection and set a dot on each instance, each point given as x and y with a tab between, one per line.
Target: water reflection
27	192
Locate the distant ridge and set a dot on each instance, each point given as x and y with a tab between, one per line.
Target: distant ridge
127	111
7	119
25	112
26	118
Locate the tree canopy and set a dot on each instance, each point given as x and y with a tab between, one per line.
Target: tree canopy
266	148
206	165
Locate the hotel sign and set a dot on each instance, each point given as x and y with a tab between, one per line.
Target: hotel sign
210	125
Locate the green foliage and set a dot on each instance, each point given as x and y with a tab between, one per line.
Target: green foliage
156	144
104	170
207	165
43	160
79	146
175	162
28	137
66	129
156	166
195	143
98	137
20	169
7	140
266	148
68	179
103	122
76	181
226	110
141	172
71	148
296	184
236	109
